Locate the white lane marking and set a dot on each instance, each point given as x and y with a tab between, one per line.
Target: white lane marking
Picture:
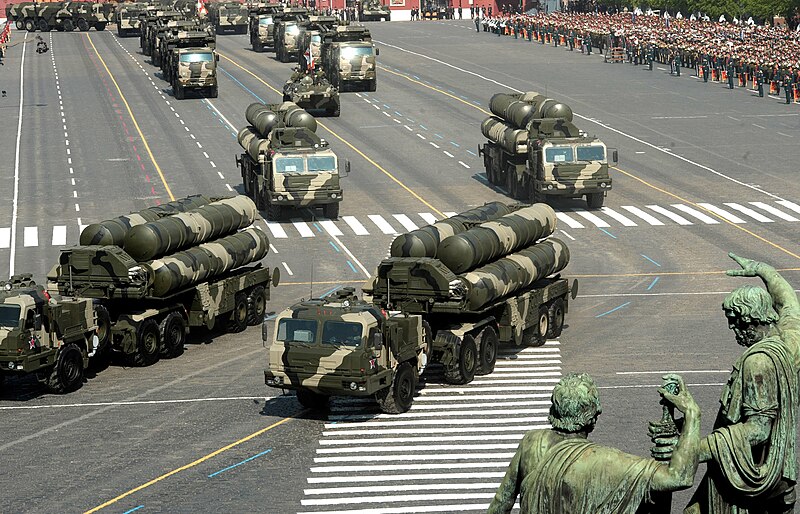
407	509
288	270
598	222
15	200
5	237
409	448
421	136
398	422
749	212
302	227
277	230
330	227
433	144
790	205
775	212
677	218
640	213
408	128
399	478
272	247
370	469
356	225
429	218
627	222
567	235
697	214
59	235
447	153
402	487
382	224
405	221
30	236
722	213
449	214
463	164
229	187
569	221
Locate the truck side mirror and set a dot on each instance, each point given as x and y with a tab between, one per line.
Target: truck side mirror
377	51
614	156
217	57
37	321
377	342
347	167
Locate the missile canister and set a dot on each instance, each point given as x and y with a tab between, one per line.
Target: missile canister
265	117
208	260
493	239
113	231
252	142
424	241
514	272
299	117
510	138
167	235
520	109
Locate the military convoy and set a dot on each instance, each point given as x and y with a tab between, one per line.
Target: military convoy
262	25
450	293
128	18
537	153
374	10
228	17
348	58
285	164
287	28
63	16
189	62
312	91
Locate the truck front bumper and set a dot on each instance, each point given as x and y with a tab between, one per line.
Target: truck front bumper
306	198
333	384
27	362
573	189
206	82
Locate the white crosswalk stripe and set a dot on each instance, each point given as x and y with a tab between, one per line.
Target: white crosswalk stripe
626	222
697	214
302	228
790	205
772	210
5	237
429	218
652	220
719	211
382	224
406	222
356	225
677	218
592	218
277	230
571	223
30	236
749	212
330	227
59	235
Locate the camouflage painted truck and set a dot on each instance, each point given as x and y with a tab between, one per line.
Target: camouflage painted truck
189	62
262	25
536	153
374	10
450	294
62	16
309	40
150	26
312	91
285	164
160	272
51	337
169	30
228	17
348	58
128	18
287	28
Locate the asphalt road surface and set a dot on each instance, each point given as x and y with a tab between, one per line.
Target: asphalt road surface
91	131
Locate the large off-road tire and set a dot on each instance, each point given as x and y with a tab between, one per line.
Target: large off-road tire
257	46
556	318
103	332
148	343
173	334
331	211
487	350
100	26
83	25
595	200
536	334
398	397
237	321
312	400
44	26
463	371
19	24
67	373
214	93
256	305
373	85
30	26
67	25
178	92
334	112
274	212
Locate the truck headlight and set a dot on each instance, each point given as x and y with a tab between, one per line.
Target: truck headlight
550	187
10	365
334	195
602	185
353	386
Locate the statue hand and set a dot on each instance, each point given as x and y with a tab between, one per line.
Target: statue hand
682	399
749	267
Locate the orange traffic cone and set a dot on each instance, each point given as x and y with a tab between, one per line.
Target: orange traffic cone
773	87
724	75
796	94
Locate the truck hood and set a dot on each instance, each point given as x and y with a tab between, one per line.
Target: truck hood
307	181
293	358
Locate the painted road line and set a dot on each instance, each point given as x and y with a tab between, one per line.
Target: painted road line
245	461
429	218
790	205
775	212
276	229
643	215
403	487
626	222
448	413
400	478
407	509
5	237
422	457
677	218
399	422
405	467
569	221
591	218
697	214
450	214
417	448
355	225
15	197
382	224
59	235
405	221
439	430
302	227
422	439
749	212
330	227
30	236
288	270
722	213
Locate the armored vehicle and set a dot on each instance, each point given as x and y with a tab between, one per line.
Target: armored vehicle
150	25
348	58
128	18
159	272
262	25
537	153
309	39
374	10
285	163
46	335
228	17
312	91
287	28
168	31
190	61
450	294
66	16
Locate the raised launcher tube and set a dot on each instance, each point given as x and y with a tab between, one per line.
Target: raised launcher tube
424	241
520	109
511	139
493	239
113	231
265	117
211	221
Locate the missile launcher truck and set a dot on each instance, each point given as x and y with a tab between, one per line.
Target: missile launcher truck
285	164
46	335
189	61
348	58
128	20
158	273
150	24
449	294
287	27
374	10
309	39
262	25
312	91
170	31
62	16
537	153
228	17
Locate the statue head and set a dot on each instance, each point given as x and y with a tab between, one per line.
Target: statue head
575	404
750	313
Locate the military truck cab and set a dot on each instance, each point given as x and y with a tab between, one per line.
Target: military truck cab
348	57
286	32
196	70
340	345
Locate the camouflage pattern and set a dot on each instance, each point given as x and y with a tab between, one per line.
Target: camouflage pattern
172	233
286	31
512	140
155	20
424	241
312	91
493	239
228	16
265	117
262	24
374	10
128	18
168	34
348	58
43	16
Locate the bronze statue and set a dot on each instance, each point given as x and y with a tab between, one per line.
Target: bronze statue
751	453
559	470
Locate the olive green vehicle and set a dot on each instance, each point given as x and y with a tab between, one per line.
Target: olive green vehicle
262	25
127	17
309	39
189	62
374	10
287	28
455	290
62	16
46	335
154	20
312	91
537	153
229	17
348	58
157	273
286	164
168	33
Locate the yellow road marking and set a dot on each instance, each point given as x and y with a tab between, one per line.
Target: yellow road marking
190	465
343	140
133	118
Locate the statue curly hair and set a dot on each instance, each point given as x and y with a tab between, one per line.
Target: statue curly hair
753	304
575	403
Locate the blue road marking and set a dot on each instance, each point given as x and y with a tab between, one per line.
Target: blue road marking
652	283
439	136
352	267
415	77
386	106
397	113
463	97
326	293
317	227
651	260
133	509
334	246
471	153
613	310
609	233
243	86
212	475
271	316
423	127
455	144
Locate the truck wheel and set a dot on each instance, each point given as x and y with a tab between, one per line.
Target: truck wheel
238	317
30	26
555	316
334	112
83	25
256	305
103	331
312	400
19	24
148	346
177	92
427	337
67	374
398	397
68	26
487	353
331	211
257	46
287	98
43	25
595	200
173	334
536	335
373	85
273	212
100	26
214	92
463	371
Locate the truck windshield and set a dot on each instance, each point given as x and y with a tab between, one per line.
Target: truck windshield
267	20
316	38
9	316
341	332
321	163
197	57
591	153
349	52
559	154
290	165
292	30
297	330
